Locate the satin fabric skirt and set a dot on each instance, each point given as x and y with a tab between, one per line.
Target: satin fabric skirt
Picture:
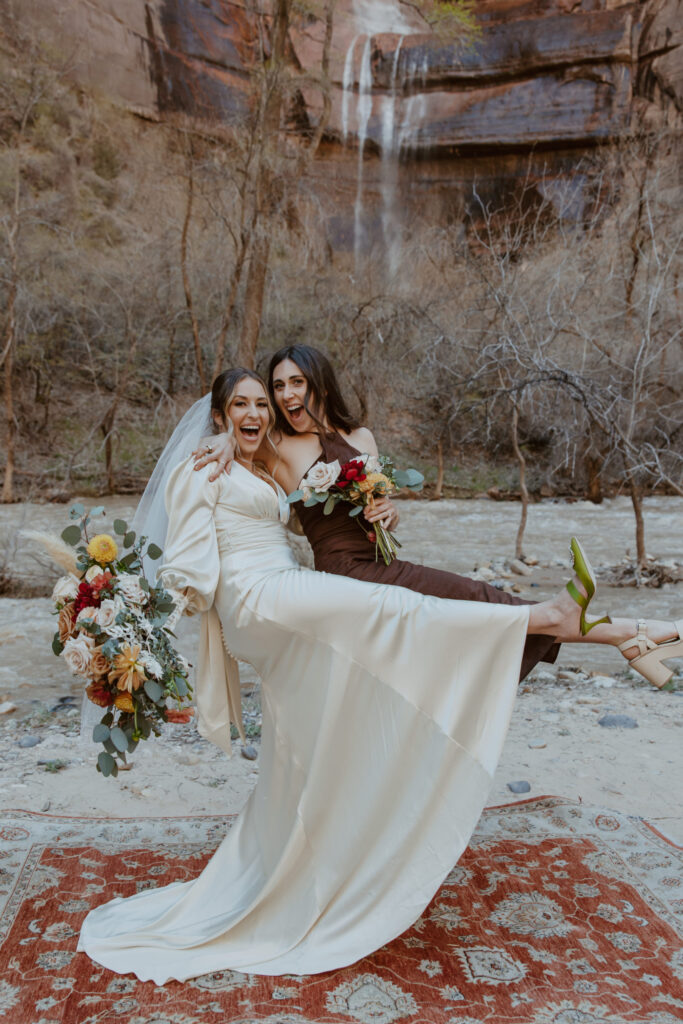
384	715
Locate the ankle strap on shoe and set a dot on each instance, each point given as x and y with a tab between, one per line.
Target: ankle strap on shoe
641	640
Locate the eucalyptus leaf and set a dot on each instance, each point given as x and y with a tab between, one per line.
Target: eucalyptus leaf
329	506
72	535
57	645
310	502
119	738
106	764
154	552
109	746
97	511
129	539
295	496
100	733
128	560
409	478
153	690
120	527
181	686
77	510
356	511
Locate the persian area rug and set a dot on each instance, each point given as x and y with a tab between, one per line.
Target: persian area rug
556	914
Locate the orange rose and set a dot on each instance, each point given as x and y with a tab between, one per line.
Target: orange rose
99	666
180	716
98	695
65	623
124	702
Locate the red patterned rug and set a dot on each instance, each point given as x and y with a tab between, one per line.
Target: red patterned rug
556	914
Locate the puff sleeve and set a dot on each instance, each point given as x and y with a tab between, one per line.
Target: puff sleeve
190	571
191	561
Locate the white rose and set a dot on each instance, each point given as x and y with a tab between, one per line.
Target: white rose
65	589
77	654
321	476
307	493
128	585
89	613
372	464
93	572
150	665
107	612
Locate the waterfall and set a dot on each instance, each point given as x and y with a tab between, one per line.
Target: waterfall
391	225
347	87
400	112
363	112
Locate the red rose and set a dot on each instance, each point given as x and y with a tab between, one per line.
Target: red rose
85	598
351	471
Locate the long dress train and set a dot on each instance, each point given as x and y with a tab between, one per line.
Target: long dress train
340	547
384	714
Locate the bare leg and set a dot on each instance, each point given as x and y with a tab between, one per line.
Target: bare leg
559	617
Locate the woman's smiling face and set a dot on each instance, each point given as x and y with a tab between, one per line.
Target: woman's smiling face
291	388
250	415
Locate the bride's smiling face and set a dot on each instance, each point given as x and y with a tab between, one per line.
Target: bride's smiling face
249	414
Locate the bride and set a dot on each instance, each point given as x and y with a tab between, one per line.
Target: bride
384	714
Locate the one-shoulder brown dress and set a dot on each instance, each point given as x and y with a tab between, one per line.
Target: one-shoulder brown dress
341	547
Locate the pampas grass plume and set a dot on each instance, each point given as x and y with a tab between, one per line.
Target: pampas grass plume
60	552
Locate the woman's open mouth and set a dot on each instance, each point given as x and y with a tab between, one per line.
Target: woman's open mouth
250	433
295	413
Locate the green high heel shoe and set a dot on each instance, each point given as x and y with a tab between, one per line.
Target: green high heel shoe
583	570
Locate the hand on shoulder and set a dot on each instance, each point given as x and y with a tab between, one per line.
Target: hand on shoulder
218	449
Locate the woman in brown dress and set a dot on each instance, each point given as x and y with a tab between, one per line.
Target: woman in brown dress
314	423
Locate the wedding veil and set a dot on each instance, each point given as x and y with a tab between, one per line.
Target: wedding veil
151	519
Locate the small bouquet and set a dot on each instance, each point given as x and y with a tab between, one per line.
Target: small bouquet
113	631
359	481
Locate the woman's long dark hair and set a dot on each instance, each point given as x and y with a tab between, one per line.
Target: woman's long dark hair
323	391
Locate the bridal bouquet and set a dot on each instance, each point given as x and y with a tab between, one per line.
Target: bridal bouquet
359	481
113	631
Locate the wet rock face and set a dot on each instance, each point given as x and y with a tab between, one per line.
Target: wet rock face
549	73
547	79
199	56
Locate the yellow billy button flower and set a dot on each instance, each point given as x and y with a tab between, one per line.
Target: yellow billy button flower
124	702
128	673
103	548
374	481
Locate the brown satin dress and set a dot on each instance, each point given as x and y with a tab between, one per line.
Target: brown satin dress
341	547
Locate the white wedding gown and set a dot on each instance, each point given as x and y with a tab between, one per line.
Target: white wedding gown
384	715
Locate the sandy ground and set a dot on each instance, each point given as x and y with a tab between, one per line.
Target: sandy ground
555	742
